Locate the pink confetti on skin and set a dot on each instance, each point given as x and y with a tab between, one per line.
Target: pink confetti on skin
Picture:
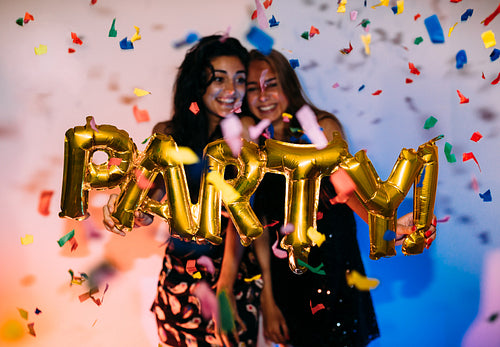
469	156
344	186
287	229
262	80
207	263
114	161
208	301
476	136
475	184
354	15
261	16
309	123
231	131
316	308
142	181
279	253
92	125
255	130
443	220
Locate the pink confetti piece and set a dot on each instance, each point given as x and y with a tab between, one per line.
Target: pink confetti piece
309	123
444	219
319	215
208	301
354	15
475	184
279	253
468	156
225	35
207	263
194	108
92	125
261	15
31	329
191	266
114	161
142	181
262	80
476	136
85	296
344	186
44	202
255	130
335	85
316	308
231	131
287	229
140	115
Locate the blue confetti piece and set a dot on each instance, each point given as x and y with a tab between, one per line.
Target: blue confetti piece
192	38
294	63
394	9
361	88
434	29
262	41
466	15
486	196
37	311
420	184
495	54
461	59
389	235
273	22
125	44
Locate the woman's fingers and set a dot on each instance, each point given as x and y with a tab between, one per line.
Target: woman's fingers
108	221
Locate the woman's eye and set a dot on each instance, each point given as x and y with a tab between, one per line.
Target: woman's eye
218	79
251	89
241	80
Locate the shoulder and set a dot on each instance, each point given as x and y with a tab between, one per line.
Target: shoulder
330	124
166	128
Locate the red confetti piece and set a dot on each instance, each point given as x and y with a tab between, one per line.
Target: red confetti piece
114	161
492	16
74	243
273	223
455	1
254	15
378	92
267	3
335	85
413	69
346	50
483	76
71	50
319	215
469	156
44	202
93	2
417	16
191	266
194	108
28	17
496	80
31	328
140	115
463	99
316	308
85	296
409	80
142	181
76	39
313	31
476	136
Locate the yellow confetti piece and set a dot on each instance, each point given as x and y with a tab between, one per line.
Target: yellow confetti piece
382	3
317	237
366	41
254	278
451	29
488	39
197	275
229	194
184	155
26	240
341	7
23	313
141	92
361	282
136	36
41	49
400	6
287	115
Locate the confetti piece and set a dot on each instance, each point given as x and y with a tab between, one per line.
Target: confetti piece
364	23
114	161
141	180
455	1
252	279
31	329
231	131
23	313
278	253
488	39
466	15
469	156
37	311
354	15
273	22
486	196
125	44
496	80
71	50
430	122
378	92
361	282
294	63
267	3
191	266
44	202
87	295
444	220
495	54
447	152
261	16
418	40
346	50
287	229
112	30
316	308
20	21
262	41
317	270
476	136
74	244
463	99
256	130
361	88
451	29
493	317
409	80
434	29
399	8
341	6
183	155
28	17
262	80
136	35
309	123
389	235
475	184
413	69
208	300
382	3
366	41
196	275
305	35
66	238
315	236
229	194
226	313
207	263
194	108
93	2
41	49
76	39
141	92
492	16
461	59
335	85
92	124
140	115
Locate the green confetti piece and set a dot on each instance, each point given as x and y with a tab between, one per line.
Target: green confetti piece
112	30
226	314
23	313
305	35
146	140
66	238
418	40
317	270
447	151
364	23
20	21
430	122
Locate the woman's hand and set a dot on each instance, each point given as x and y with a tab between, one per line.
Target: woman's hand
240	325
275	328
405	227
141	218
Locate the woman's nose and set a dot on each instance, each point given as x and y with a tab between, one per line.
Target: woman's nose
263	95
230	88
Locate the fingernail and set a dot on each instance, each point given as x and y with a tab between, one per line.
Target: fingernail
413	228
428	233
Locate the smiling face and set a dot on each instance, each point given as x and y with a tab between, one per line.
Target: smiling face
265	96
227	87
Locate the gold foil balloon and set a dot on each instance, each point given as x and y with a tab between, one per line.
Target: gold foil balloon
81	174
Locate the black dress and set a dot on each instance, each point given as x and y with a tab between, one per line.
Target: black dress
343	315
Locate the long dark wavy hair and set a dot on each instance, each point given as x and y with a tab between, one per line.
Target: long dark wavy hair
191	83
